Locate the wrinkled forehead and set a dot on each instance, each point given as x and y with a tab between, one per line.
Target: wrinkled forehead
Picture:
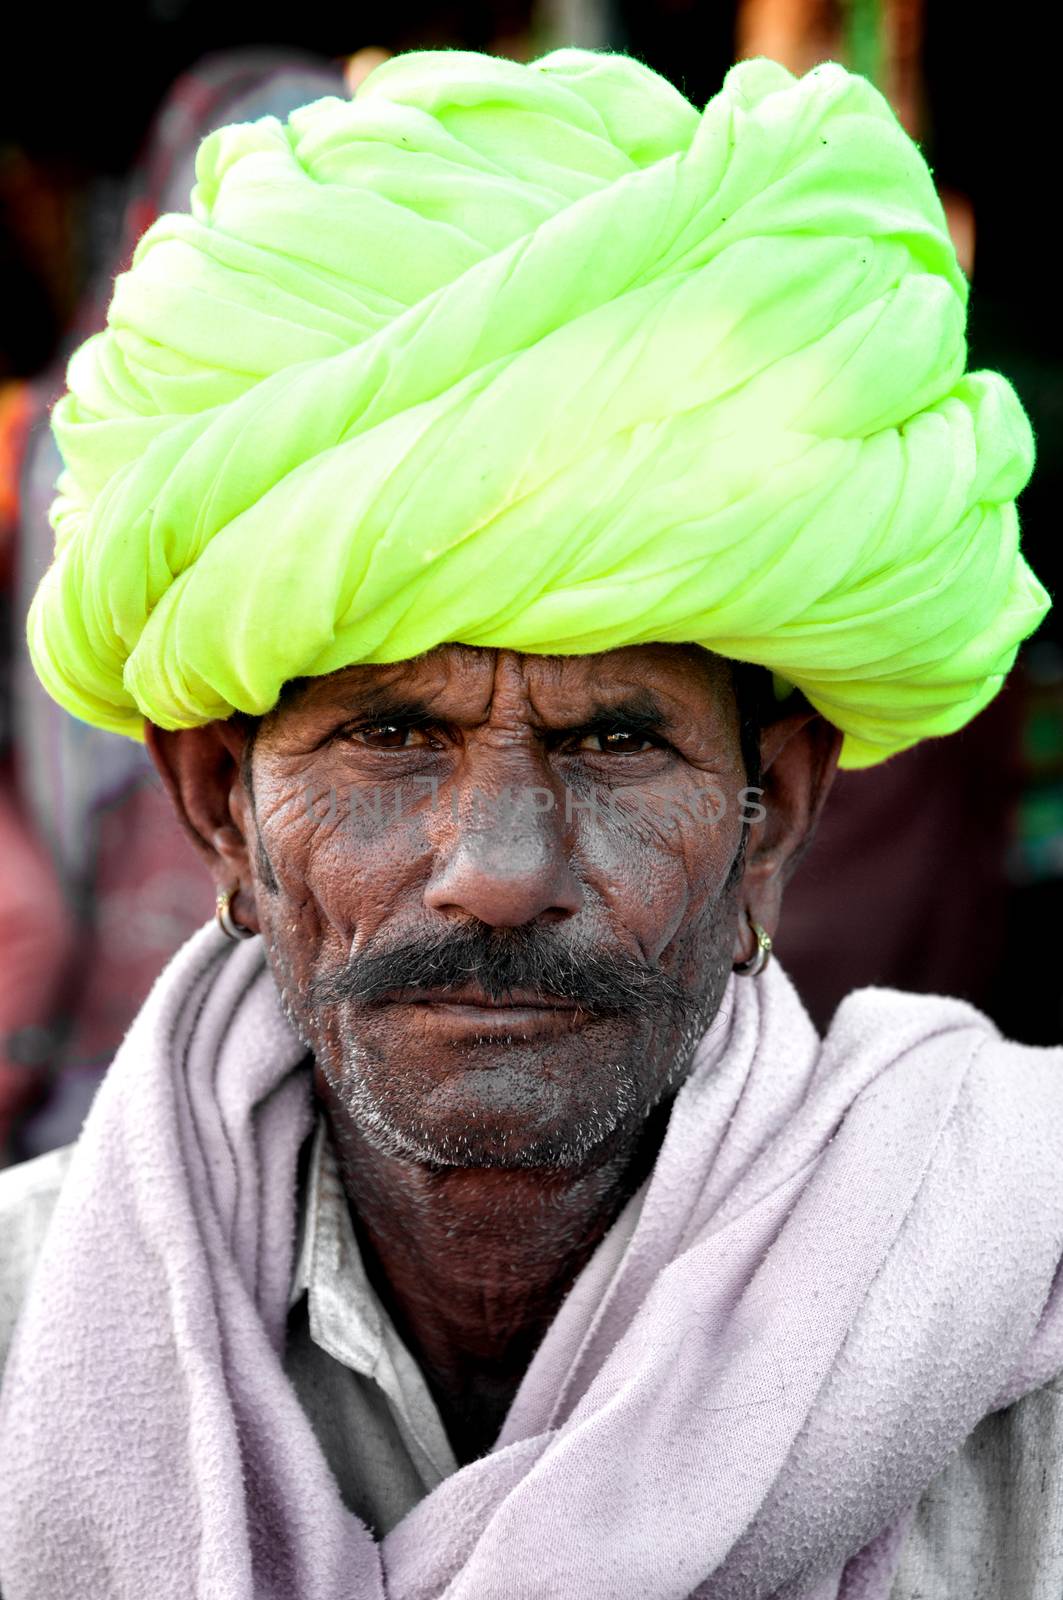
670	681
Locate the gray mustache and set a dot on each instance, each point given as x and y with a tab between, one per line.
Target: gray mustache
504	960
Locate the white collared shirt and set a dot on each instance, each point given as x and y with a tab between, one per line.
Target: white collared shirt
369	1402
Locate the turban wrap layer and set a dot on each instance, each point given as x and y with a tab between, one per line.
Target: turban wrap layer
539	356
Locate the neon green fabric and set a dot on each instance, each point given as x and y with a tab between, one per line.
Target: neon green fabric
542	357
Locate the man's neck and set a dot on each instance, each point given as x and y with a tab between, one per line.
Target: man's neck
473	1263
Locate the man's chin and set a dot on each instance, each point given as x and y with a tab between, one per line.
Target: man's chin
567	1150
501	1116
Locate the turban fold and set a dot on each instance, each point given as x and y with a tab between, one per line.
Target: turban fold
539	356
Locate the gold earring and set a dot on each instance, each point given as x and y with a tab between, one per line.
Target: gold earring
761	955
226	921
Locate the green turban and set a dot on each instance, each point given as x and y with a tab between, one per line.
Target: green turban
542	357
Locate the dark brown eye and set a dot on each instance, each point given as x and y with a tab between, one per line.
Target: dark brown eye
615	742
388	736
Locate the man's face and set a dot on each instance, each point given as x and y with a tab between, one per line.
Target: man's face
499	892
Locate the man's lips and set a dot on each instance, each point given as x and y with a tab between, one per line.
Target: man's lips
469	1010
472	995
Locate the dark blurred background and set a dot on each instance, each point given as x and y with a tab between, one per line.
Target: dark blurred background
941	871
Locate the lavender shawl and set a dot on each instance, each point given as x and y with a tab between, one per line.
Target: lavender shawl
846	1256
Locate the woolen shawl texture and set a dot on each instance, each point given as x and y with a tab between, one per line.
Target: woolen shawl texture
541	357
846	1256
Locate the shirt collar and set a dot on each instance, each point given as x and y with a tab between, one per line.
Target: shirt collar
346	1316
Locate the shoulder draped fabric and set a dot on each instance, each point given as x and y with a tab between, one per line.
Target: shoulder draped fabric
740	1376
539	356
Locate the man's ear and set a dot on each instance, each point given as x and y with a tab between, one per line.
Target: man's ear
799	757
201	769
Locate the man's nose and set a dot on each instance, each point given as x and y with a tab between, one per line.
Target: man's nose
507	869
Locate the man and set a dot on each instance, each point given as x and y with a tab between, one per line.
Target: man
492	1222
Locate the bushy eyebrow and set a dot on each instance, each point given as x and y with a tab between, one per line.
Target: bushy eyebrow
639	711
379	706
